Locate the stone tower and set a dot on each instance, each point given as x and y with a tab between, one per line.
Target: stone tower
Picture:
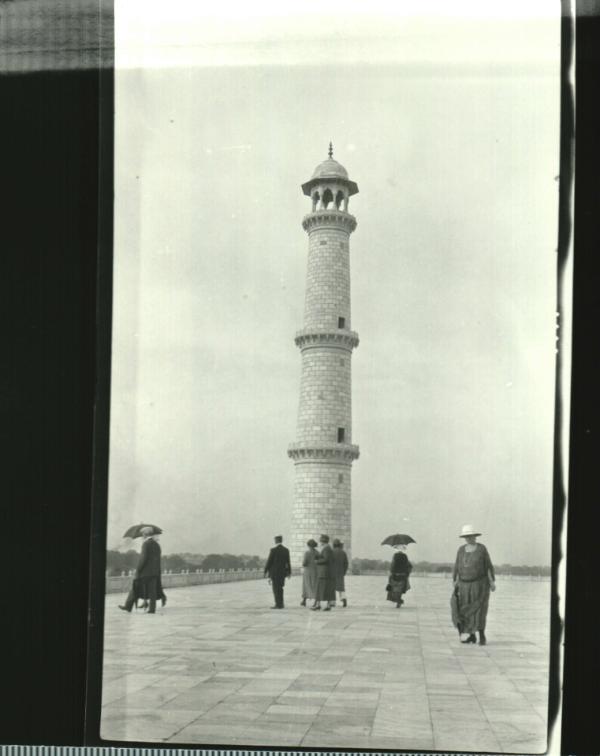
323	451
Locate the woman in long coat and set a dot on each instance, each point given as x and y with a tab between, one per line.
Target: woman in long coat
340	568
474	578
309	572
398	582
325	582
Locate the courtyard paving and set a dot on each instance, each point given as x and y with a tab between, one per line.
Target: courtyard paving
216	666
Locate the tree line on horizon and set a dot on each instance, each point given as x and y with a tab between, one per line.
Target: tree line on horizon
118	562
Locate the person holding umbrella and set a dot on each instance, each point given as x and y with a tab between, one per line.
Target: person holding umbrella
474	578
400	569
309	572
160	594
147	575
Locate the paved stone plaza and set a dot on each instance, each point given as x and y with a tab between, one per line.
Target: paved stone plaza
217	666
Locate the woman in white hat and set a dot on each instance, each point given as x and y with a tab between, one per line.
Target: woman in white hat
474	578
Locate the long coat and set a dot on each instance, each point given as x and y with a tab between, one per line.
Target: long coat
149	562
399	583
309	574
278	565
340	568
473	570
325	579
147	583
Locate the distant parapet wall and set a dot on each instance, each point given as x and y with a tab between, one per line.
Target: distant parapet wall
448	575
122	583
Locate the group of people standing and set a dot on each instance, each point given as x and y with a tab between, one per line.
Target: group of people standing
325	568
323	576
324	573
323	579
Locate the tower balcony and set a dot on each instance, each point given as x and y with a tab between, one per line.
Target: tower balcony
329	217
340	453
340	338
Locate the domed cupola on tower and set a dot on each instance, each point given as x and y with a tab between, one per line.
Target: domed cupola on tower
329	186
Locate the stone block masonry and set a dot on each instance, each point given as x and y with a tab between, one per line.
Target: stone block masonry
322	493
325	396
218	667
328	278
323	451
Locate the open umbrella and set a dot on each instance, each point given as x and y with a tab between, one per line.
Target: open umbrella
397	538
135	531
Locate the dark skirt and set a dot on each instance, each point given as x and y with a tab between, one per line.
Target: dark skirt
147	588
397	586
472	605
325	589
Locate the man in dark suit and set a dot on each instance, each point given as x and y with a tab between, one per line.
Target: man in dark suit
277	569
147	575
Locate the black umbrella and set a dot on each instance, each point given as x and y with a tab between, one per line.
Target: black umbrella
397	538
135	531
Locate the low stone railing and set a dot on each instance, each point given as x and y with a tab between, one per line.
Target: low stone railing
122	583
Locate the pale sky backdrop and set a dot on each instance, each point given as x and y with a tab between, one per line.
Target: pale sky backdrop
450	127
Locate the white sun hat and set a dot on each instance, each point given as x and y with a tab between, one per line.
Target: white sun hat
468	530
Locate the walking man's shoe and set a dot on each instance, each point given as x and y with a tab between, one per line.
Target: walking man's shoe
124	608
482	638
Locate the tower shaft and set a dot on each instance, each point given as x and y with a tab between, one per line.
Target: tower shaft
323	451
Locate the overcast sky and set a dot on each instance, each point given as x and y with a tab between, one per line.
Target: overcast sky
450	127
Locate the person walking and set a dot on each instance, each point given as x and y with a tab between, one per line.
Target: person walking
474	578
277	569
398	582
147	583
309	572
340	568
160	594
325	580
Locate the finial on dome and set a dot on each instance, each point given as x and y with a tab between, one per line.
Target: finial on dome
330	150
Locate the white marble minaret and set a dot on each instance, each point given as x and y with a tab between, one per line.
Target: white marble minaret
323	451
